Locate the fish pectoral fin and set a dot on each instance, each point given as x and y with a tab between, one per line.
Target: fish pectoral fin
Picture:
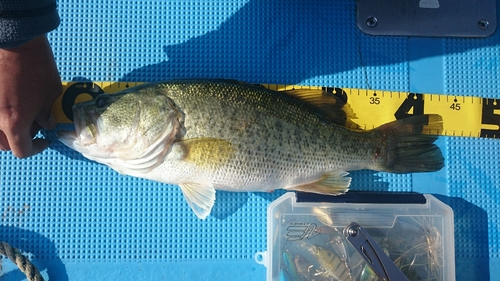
199	197
209	153
331	184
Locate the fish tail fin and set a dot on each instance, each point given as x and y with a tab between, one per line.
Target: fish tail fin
408	149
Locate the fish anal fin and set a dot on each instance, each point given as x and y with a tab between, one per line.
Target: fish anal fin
330	184
330	107
199	197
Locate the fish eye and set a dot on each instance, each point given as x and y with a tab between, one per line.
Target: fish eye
101	100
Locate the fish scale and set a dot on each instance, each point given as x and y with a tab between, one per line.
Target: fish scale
205	135
290	141
321	138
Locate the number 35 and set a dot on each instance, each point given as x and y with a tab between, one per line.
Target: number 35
374	100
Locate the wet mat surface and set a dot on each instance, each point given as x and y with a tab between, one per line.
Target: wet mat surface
84	221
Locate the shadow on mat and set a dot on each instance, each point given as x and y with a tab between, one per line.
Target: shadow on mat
43	250
228	203
287	42
471	241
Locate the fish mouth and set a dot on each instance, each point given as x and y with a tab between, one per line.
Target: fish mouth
68	138
85	132
85	126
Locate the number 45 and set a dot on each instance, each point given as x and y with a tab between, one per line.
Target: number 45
455	106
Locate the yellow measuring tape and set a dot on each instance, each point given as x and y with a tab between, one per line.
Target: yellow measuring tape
462	115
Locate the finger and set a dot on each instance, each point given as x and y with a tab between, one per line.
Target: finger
4	144
23	146
46	120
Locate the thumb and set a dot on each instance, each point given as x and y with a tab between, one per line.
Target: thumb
46	120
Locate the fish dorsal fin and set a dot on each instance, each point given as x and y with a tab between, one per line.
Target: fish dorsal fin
199	197
335	183
330	107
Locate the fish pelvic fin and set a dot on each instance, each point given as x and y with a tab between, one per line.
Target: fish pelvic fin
407	149
335	183
199	197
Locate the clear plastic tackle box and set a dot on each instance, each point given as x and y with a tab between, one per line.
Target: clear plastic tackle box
310	237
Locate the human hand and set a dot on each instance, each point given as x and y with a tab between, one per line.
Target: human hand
29	85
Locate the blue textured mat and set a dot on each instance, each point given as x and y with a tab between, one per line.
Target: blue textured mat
83	221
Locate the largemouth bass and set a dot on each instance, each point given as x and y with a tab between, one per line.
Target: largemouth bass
205	135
